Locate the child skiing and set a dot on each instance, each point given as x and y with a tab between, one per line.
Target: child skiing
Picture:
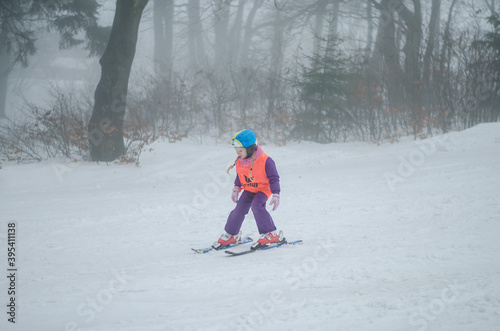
258	178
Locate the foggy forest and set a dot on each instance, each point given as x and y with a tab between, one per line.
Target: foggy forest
373	124
101	80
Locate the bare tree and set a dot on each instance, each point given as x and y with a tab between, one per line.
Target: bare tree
163	21
249	32
442	77
235	33
333	24
318	24
196	48
387	47
277	51
370	29
106	124
432	42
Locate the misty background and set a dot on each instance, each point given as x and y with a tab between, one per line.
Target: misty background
316	70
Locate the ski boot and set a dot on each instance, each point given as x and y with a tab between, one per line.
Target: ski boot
268	239
225	240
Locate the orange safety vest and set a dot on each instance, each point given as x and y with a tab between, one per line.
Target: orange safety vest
259	181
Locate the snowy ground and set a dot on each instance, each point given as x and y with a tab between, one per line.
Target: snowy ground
396	237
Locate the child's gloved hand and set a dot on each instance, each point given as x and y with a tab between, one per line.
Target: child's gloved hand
275	200
235	193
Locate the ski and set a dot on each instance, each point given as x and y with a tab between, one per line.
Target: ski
281	243
245	240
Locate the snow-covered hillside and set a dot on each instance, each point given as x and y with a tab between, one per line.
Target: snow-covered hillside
396	237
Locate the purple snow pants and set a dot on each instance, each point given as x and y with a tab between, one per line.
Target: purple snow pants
256	201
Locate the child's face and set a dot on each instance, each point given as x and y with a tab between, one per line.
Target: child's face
241	151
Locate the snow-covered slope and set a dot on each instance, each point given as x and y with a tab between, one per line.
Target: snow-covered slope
396	237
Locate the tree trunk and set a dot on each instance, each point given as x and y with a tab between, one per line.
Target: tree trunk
413	41
106	124
277	50
197	56
221	44
447	42
249	30
369	31
235	33
446	109
413	23
318	25
5	67
163	21
433	42
333	23
429	61
390	54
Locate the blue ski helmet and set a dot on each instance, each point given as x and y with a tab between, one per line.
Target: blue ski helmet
244	138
